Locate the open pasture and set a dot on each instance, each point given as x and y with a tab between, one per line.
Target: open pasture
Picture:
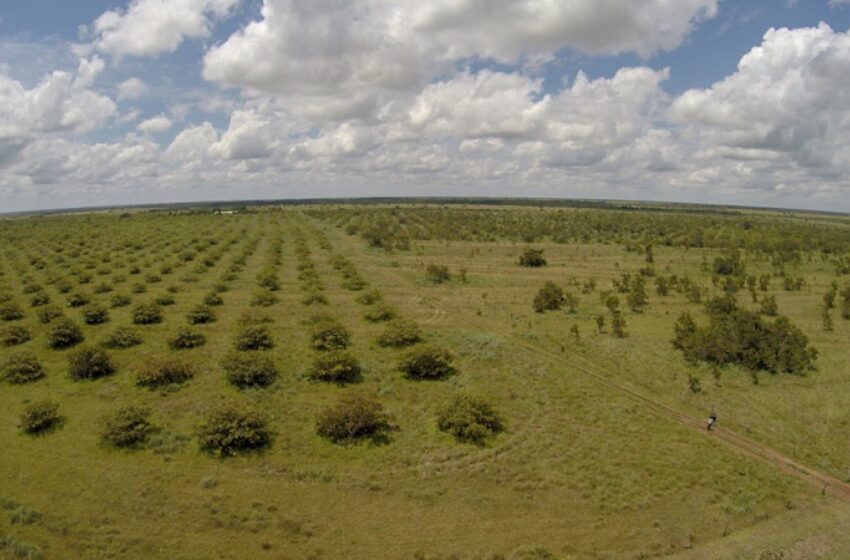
302	324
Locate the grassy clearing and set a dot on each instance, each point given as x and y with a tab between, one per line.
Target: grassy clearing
581	470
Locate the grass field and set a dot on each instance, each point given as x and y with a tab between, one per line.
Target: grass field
583	469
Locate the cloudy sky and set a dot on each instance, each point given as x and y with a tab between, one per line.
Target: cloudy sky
117	102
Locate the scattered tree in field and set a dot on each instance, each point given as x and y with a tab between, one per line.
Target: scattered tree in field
427	363
213	299
78	299
21	367
738	336
380	313
95	314
47	313
353	418
122	338
40	417
826	318
249	370
618	325
10	312
612	302
438	273
575	332
335	367
89	363
532	258
253	337
39	299
845	302
328	334
729	265
14	335
147	314
185	339
399	333
470	420
549	298
165	300
161	372
201	315
662	286
64	334
230	429
127	427
120	300
769	306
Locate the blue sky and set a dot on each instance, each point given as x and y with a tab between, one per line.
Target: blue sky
367	97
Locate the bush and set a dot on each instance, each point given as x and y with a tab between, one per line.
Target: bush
39	298
427	363
95	314
532	258
314	298
120	300
249	370
89	363
469	419
22	367
40	417
354	417
264	298
380	313
213	299
369	298
186	339
64	334
201	315
336	367
147	314
230	429
163	371
399	334
328	334
127	427
47	314
253	337
165	300
14	335
438	273
549	298
10	312
122	338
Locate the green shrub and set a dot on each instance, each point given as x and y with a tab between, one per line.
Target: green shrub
89	363
438	273
122	338
163	371
354	417
40	417
253	337
201	315
264	298
10	312
64	334
128	426
48	313
532	258
469	419
769	306
22	367
14	335
335	367
138	288
427	363
314	298
369	298
165	300
120	300
185	339
328	334
380	313
399	333
230	429
39	298
213	299
78	299
249	370
102	288
549	298
147	314
95	314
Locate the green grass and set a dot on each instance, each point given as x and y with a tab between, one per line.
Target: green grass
582	471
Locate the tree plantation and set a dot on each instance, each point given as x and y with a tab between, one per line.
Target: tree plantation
423	380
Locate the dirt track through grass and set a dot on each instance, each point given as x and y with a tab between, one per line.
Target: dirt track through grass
746	446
